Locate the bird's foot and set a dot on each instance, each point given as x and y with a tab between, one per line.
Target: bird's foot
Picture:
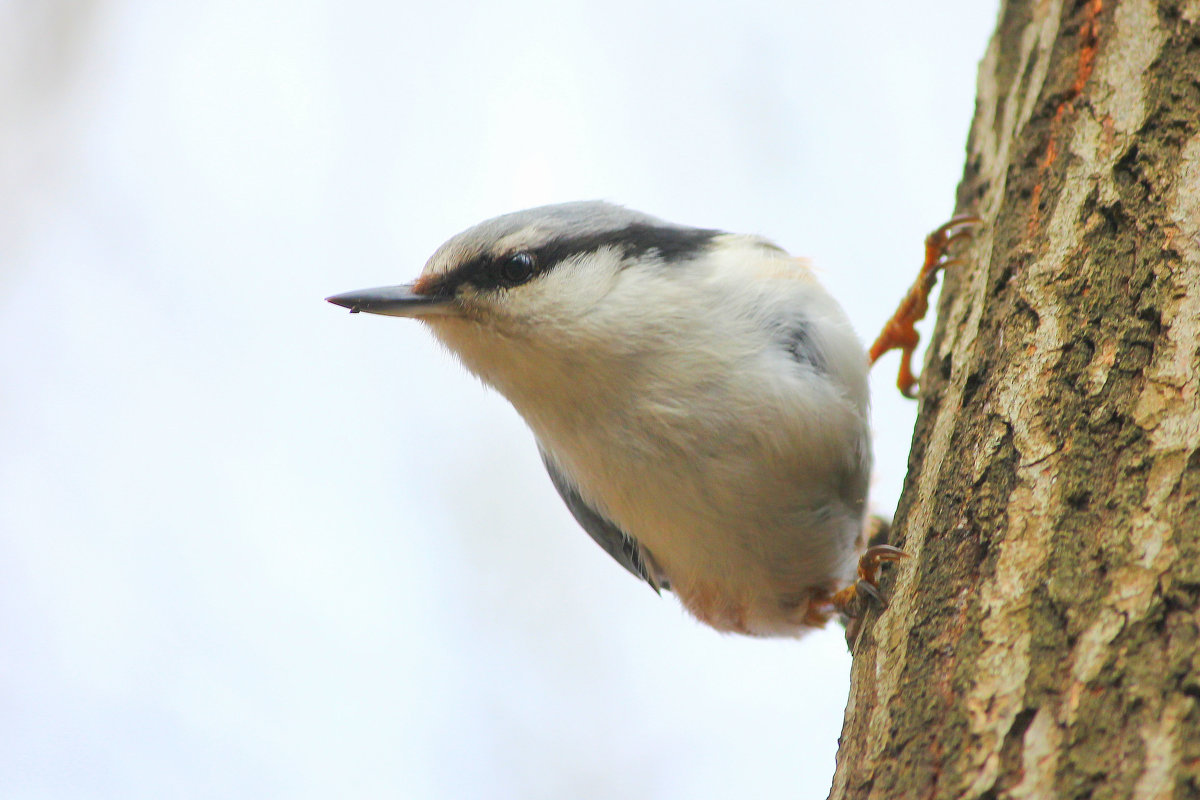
900	332
853	601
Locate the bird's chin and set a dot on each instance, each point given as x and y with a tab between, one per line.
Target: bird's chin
432	314
458	332
499	357
456	323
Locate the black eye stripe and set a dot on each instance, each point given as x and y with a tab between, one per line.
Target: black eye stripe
669	244
638	239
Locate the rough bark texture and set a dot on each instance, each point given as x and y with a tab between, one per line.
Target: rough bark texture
1045	640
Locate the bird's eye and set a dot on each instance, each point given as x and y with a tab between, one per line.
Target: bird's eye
516	269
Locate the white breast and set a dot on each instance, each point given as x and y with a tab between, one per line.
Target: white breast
681	415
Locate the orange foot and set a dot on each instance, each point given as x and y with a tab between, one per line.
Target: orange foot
900	331
852	601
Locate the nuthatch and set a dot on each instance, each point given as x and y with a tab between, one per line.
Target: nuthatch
698	399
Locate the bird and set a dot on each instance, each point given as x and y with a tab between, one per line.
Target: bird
698	399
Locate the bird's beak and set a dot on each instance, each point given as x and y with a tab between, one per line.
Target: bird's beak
394	301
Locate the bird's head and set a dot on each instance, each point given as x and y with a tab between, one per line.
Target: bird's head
534	266
560	279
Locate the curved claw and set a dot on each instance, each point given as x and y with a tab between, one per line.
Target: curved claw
872	591
849	600
884	552
957	221
853	601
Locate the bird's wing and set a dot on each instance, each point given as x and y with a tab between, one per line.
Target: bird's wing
616	542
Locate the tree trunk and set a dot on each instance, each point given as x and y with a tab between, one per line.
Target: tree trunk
1044	641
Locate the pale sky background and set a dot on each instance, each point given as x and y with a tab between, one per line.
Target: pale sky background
254	547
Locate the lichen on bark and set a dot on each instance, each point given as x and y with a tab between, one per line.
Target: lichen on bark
1045	639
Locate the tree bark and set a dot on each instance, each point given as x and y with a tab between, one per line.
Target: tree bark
1044	641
